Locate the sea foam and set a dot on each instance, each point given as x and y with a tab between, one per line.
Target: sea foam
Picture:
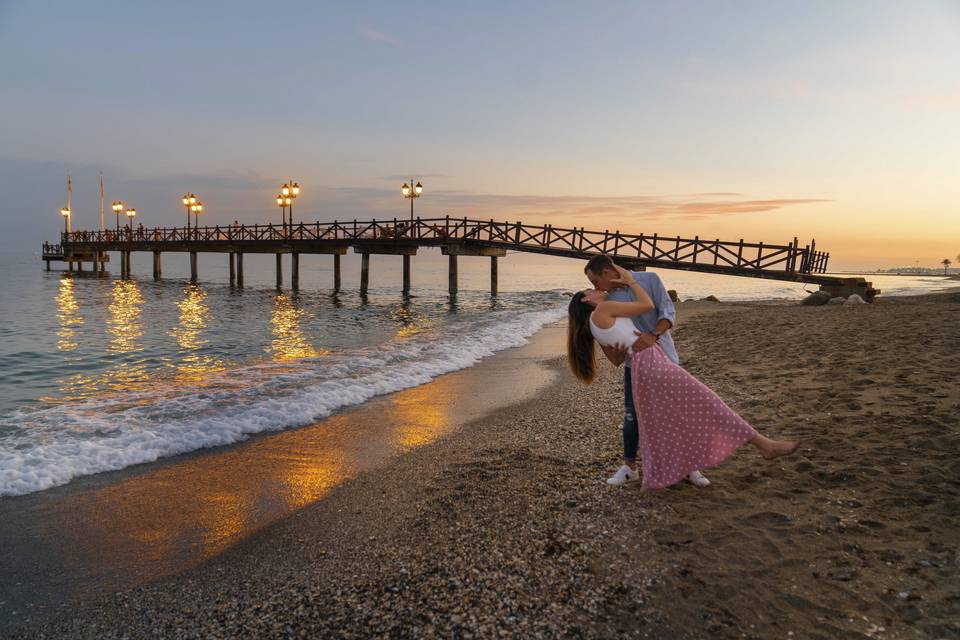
48	447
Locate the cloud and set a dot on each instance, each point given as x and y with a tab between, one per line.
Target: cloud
375	35
416	176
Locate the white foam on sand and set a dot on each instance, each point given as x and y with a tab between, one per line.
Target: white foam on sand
48	447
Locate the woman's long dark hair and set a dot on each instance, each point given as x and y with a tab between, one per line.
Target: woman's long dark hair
580	350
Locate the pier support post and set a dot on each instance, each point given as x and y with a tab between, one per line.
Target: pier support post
240	269
336	271
406	274
493	276
80	265
364	273
193	267
129	264
233	269
48	264
279	271
453	275
123	265
156	265
295	271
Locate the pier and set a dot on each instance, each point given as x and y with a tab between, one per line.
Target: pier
456	237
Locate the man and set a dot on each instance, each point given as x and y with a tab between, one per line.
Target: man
652	328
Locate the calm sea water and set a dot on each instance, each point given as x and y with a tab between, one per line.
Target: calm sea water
98	374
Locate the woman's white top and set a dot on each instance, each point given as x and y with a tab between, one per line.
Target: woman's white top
620	334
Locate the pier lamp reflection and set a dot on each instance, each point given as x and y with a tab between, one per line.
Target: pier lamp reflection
289	342
189	334
68	316
124	324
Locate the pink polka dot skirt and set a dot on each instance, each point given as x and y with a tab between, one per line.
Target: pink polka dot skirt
684	426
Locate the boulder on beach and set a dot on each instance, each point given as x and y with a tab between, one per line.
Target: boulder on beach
837	300
816	299
673	295
711	299
854	299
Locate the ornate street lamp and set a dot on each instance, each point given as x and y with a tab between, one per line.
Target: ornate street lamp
65	212
283	202
196	209
117	207
131	213
411	191
289	191
188	200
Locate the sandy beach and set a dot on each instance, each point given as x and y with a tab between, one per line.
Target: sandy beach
503	527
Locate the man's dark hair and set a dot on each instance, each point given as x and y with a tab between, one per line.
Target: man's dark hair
597	264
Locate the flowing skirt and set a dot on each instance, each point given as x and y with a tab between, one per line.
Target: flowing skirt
683	425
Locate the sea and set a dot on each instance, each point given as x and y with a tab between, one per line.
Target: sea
99	374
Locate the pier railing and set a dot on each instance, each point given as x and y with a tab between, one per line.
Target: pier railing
743	258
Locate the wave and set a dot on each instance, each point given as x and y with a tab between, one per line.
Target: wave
47	447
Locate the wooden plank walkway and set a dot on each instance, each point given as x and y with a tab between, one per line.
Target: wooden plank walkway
789	261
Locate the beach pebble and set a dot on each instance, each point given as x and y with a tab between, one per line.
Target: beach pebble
711	299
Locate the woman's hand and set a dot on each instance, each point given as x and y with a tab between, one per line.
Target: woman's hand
624	278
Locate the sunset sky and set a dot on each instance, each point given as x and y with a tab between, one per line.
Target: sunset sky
756	120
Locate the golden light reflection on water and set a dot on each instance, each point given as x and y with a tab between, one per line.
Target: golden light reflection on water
418	416
289	341
67	315
125	328
124	324
194	319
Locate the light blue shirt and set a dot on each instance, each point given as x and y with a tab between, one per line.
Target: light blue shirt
662	308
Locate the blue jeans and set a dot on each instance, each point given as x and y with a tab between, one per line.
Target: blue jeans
631	436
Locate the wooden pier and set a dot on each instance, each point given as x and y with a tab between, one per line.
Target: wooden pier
455	237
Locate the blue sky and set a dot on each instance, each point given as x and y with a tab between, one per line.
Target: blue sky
838	118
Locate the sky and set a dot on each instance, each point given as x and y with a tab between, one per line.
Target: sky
838	121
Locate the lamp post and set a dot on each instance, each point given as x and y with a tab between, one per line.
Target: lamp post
283	202
411	191
188	200
131	213
289	191
65	212
117	207
196	208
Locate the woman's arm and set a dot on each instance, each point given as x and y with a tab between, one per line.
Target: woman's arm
614	309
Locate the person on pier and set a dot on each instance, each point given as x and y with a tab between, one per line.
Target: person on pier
677	423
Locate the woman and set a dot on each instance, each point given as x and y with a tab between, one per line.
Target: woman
684	426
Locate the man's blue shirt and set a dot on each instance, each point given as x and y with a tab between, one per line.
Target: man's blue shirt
663	308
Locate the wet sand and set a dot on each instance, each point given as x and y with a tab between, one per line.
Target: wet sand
504	527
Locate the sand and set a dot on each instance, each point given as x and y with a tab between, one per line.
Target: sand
505	528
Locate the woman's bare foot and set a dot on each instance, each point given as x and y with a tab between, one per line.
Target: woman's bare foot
776	448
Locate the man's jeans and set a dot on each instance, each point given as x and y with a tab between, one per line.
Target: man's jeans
631	436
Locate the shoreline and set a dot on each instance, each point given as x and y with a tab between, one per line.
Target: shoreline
509	514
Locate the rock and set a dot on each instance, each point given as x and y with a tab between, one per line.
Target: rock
711	299
837	300
855	299
673	295
816	299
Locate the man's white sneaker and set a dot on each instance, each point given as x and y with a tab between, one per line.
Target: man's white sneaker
623	475
698	479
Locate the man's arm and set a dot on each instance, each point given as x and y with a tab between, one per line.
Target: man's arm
666	312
